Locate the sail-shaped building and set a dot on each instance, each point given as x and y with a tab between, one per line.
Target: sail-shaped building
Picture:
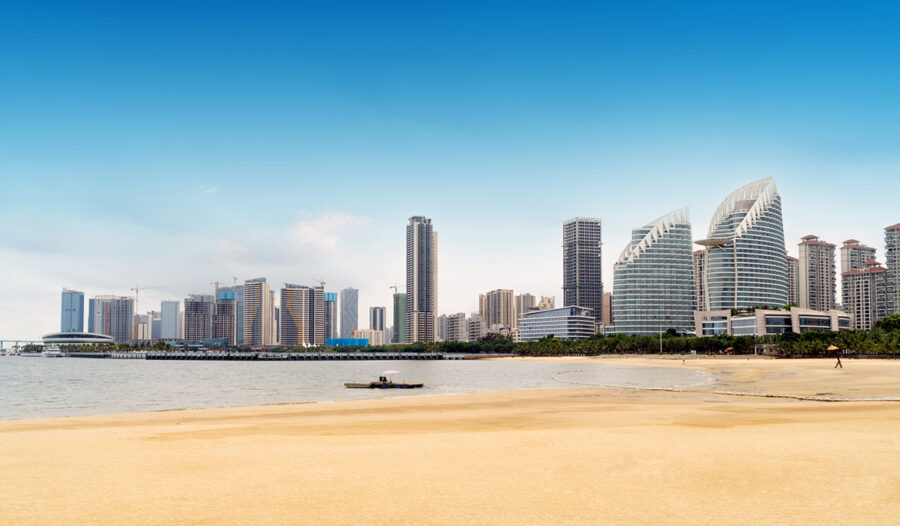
746	263
653	278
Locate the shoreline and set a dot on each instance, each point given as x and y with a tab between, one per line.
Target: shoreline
561	456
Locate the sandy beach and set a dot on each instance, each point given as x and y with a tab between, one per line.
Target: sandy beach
567	456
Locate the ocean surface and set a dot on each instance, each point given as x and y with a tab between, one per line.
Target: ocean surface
34	387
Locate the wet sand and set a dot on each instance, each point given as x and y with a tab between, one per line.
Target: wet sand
569	456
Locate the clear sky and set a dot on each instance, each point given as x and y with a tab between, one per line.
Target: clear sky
171	145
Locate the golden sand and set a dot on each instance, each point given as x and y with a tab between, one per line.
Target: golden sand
573	456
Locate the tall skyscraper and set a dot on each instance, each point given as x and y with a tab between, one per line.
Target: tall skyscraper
199	310
793	267
238	291
259	312
817	274
331	317
442	328
155	324
854	256
376	318
349	311
225	317
316	310
582	269
399	317
699	264
864	294
653	286
295	329
421	280
169	314
892	255
497	308
72	316
746	258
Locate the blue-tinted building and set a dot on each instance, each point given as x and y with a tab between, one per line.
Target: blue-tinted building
72	315
566	323
349	311
653	286
347	342
331	329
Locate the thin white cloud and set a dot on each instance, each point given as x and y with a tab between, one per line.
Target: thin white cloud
209	190
327	232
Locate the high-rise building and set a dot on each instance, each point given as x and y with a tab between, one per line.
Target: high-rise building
793	267
399	317
349	311
317	315
72	316
524	304
746	258
854	256
238	291
295	315
169	314
653	286
376	318
892	256
421	280
607	319
331	317
498	308
864	294
155	324
113	316
457	330
699	272
475	328
199	310
582	269
259	313
225	316
817	274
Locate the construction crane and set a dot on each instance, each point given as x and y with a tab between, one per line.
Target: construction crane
217	283
320	281
137	289
235	279
395	287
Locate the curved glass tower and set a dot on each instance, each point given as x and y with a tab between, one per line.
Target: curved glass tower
746	259
653	286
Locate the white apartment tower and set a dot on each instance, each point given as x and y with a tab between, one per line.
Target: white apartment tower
817	274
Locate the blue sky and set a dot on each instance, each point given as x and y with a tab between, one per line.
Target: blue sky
160	144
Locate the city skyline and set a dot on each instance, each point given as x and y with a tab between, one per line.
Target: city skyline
126	178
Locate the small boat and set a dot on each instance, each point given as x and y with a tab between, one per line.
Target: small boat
383	385
52	352
384	382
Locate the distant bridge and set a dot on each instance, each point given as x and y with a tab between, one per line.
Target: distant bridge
19	343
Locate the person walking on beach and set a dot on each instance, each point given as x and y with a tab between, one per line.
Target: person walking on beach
838	364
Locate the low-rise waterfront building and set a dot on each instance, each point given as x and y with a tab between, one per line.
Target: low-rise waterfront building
767	321
566	323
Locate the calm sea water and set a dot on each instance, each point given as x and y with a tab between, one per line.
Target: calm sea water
56	387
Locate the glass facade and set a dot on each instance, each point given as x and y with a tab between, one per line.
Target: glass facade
582	269
653	288
72	316
747	260
567	323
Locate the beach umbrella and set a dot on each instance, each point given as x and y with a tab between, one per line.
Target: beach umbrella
390	372
833	348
